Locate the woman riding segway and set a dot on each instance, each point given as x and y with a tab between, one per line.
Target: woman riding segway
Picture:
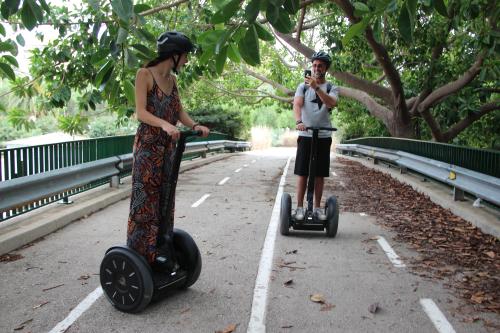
154	248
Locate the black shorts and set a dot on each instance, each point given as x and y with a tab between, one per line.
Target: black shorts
304	151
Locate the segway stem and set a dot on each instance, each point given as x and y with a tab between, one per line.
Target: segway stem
312	164
169	185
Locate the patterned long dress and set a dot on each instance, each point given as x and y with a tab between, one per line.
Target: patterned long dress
148	173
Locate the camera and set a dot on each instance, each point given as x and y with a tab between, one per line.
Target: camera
307	72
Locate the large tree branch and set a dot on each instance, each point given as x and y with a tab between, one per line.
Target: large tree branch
452	87
261	77
349	79
382	56
262	94
375	109
467	121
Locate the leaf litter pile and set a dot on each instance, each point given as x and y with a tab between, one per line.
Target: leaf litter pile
449	248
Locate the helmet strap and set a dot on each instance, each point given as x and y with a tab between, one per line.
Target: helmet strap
176	62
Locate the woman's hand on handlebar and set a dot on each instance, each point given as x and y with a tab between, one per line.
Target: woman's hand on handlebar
301	127
203	129
171	130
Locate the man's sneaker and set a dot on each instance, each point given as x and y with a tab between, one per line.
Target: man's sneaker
299	213
320	213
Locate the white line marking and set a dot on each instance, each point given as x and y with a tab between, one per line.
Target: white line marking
257	323
199	202
333	173
393	257
245	165
253	161
237	170
78	311
222	182
362	214
436	316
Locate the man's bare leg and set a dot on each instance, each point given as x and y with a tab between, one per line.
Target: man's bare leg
301	190
319	183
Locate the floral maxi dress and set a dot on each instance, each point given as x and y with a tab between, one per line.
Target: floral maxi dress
152	147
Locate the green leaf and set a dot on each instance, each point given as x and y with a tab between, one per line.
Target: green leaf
130	58
11	59
221	60
123	8
45	6
252	11
6	46
129	90
103	73
441	7
9	7
144	50
405	24
361	7
249	47
7	71
272	13
226	12
292	6
20	40
141	7
412	10
222	41
355	30
143	33
97	57
2	30
263	33
283	25
233	54
122	36
31	13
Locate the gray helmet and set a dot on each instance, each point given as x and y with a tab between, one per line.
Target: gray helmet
173	42
323	56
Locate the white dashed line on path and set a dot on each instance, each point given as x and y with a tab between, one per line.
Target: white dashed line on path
199	202
436	316
253	161
393	257
333	173
245	165
237	170
222	182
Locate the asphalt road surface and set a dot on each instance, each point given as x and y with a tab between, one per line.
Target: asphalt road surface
355	282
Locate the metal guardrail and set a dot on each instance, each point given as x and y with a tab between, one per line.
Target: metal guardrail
462	180
485	161
23	194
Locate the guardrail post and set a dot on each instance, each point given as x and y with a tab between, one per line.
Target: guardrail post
114	182
375	160
458	194
65	201
403	170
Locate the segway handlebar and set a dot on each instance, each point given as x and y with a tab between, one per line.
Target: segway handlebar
185	134
333	129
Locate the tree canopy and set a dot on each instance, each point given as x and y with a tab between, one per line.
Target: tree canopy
421	68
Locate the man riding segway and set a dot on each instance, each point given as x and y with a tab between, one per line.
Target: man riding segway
312	106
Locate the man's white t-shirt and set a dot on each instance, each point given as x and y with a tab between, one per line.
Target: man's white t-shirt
312	114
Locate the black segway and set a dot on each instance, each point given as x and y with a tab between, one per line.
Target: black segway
310	221
128	281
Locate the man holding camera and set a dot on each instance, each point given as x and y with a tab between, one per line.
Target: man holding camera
312	105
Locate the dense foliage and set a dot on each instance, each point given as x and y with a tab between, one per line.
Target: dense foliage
413	68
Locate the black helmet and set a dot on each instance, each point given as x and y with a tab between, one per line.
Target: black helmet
173	42
323	56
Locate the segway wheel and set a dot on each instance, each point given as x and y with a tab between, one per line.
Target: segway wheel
332	214
188	256
285	214
126	279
